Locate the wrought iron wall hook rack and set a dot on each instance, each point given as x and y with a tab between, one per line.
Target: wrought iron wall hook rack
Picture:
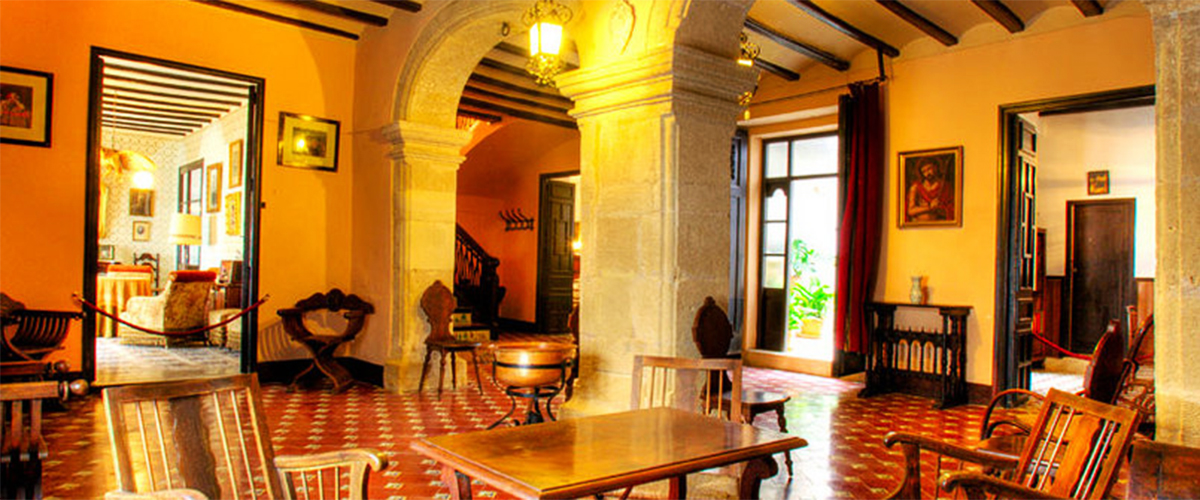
515	220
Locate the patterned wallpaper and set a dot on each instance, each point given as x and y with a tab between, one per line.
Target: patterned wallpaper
210	144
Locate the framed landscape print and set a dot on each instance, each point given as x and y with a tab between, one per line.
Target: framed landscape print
308	142
212	185
235	163
931	187
25	100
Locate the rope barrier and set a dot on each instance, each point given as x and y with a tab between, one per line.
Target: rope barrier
1059	348
79	300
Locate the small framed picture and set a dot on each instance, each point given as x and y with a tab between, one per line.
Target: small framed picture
1097	182
141	230
107	252
308	142
25	100
141	202
235	163
233	214
212	186
931	187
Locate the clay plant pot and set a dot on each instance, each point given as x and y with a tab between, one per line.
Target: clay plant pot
530	364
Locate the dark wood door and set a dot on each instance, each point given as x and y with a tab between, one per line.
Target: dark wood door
555	257
1026	233
1100	239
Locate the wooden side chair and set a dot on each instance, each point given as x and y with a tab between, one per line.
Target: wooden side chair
37	332
323	347
1074	450
713	335
209	439
438	304
22	448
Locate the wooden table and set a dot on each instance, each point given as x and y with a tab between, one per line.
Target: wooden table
113	290
575	458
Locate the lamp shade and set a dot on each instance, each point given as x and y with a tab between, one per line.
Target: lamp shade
185	229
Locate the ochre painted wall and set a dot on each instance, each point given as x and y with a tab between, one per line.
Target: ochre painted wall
953	99
306	220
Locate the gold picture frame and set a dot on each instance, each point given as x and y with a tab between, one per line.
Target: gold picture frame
308	142
236	163
930	187
141	230
212	184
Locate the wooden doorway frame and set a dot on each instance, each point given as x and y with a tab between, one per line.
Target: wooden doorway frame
1004	368
252	189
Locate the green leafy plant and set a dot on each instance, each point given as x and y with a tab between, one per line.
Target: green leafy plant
809	297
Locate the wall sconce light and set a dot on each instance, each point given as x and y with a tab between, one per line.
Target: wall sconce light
545	20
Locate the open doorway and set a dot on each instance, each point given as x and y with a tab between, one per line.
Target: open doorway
172	189
558	251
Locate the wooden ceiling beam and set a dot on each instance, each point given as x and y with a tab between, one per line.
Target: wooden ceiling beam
189	120
109	103
519	113
514	99
777	70
132	125
271	16
340	12
176	76
144	129
189	88
115	90
495	82
1088	8
408	5
187	106
797	46
920	22
1001	14
479	116
108	115
846	28
509	48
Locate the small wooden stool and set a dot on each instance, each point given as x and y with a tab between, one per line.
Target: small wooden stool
438	304
322	347
755	402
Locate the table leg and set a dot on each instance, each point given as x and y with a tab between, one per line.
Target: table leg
678	487
787	455
459	483
757	469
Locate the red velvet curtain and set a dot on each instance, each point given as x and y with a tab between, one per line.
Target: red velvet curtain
862	208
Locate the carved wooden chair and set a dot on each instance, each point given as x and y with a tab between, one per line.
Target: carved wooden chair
209	439
713	335
22	448
323	347
37	332
151	260
1136	386
1074	450
573	326
438	304
683	383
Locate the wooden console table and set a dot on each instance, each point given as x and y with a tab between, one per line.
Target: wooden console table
902	359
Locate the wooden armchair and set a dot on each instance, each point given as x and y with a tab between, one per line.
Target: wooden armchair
211	436
1074	450
322	347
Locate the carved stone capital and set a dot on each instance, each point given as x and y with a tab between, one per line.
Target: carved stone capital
427	143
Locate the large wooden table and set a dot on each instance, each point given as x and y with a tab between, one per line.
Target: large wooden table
574	458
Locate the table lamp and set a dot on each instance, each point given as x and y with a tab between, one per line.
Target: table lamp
185	231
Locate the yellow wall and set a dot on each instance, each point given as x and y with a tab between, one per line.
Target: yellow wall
306	223
952	99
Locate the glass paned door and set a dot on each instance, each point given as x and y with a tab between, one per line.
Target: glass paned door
799	246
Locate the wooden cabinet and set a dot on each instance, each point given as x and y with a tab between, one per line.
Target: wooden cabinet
904	359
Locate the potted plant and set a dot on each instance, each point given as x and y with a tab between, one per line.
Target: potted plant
809	296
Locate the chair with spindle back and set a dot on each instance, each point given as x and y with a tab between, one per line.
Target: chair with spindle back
22	448
211	436
37	334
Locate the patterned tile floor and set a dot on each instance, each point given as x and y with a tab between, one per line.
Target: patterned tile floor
845	457
128	364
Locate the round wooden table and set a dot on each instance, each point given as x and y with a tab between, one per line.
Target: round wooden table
755	402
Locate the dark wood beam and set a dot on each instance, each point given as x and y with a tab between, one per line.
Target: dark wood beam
193	107
479	116
777	70
1002	14
153	83
176	76
191	120
114	89
514	99
110	103
920	22
340	12
146	127
108	115
797	46
518	51
278	18
1088	8
476	77
476	103
846	28
408	5
1102	106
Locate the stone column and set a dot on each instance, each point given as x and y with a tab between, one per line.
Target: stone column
1177	283
424	185
655	136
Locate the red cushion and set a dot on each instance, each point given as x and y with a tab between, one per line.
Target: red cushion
129	268
193	276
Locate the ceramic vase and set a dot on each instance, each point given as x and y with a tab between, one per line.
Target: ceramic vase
916	295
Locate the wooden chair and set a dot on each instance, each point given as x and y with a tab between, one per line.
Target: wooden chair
38	332
22	448
683	383
150	260
211	436
1136	386
1162	470
323	347
573	326
1074	450
438	304
713	335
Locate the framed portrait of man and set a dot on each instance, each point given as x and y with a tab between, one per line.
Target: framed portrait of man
931	187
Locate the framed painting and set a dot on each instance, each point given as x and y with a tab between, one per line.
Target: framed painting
233	214
1097	182
141	202
107	252
931	187
308	142
141	230
235	163
25	100
212	194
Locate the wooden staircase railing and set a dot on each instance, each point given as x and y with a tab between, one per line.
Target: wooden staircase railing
475	278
